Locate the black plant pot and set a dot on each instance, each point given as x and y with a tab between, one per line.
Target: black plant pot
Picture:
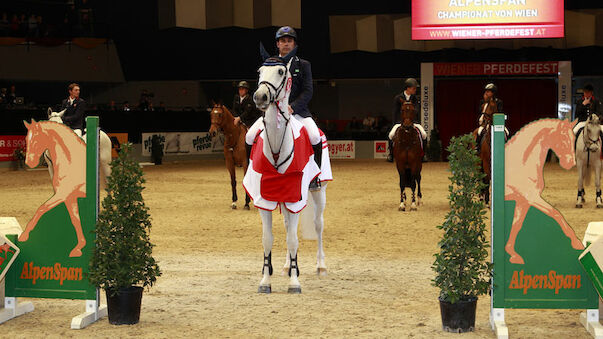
124	307
460	316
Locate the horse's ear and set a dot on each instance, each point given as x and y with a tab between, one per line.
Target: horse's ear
213	103
263	52
49	111
291	54
26	124
61	113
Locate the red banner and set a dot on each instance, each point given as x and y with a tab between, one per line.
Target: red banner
8	145
486	19
494	68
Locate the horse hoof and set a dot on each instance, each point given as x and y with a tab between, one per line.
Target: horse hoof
402	208
233	206
413	207
321	271
265	289
294	290
599	206
580	206
246	207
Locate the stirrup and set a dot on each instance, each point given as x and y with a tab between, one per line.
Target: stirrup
315	185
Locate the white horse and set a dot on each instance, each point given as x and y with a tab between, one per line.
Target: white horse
588	157
104	146
281	165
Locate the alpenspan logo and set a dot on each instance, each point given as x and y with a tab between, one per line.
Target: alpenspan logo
551	281
56	272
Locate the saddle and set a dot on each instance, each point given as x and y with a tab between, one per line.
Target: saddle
397	135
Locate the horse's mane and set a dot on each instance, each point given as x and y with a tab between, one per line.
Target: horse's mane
540	123
52	125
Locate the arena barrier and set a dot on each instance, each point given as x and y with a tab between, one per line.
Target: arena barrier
550	276
47	266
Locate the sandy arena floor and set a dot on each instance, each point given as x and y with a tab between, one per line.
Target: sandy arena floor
379	261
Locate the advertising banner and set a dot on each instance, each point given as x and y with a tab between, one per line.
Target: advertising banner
380	149
184	143
8	145
487	19
342	149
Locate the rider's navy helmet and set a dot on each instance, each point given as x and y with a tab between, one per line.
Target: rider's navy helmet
286	31
491	87
411	82
588	87
244	84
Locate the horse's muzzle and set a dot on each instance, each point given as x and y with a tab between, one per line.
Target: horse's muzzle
260	97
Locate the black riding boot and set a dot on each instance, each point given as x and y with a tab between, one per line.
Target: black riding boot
248	150
315	183
390	152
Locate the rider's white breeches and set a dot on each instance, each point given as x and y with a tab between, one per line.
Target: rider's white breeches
311	127
392	132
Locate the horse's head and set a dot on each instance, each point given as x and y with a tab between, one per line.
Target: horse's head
35	146
591	133
55	116
562	143
593	119
408	113
274	83
217	117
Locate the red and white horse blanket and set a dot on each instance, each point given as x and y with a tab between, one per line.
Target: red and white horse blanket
289	185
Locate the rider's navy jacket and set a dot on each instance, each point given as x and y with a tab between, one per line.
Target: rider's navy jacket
301	87
74	114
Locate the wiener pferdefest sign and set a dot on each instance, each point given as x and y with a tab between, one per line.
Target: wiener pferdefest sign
487	19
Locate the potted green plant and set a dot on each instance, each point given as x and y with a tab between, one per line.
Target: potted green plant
463	271
122	263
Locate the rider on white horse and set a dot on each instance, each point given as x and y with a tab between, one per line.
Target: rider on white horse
409	94
301	92
74	108
586	105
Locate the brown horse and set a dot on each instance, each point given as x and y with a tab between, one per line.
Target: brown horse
483	149
408	155
234	145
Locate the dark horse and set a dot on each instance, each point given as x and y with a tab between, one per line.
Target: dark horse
483	149
408	155
234	145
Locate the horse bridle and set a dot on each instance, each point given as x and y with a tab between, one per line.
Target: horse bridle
273	96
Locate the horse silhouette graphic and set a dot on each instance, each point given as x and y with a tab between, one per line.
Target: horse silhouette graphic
5	249
525	155
68	154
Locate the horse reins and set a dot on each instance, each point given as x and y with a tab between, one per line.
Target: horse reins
588	142
273	96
